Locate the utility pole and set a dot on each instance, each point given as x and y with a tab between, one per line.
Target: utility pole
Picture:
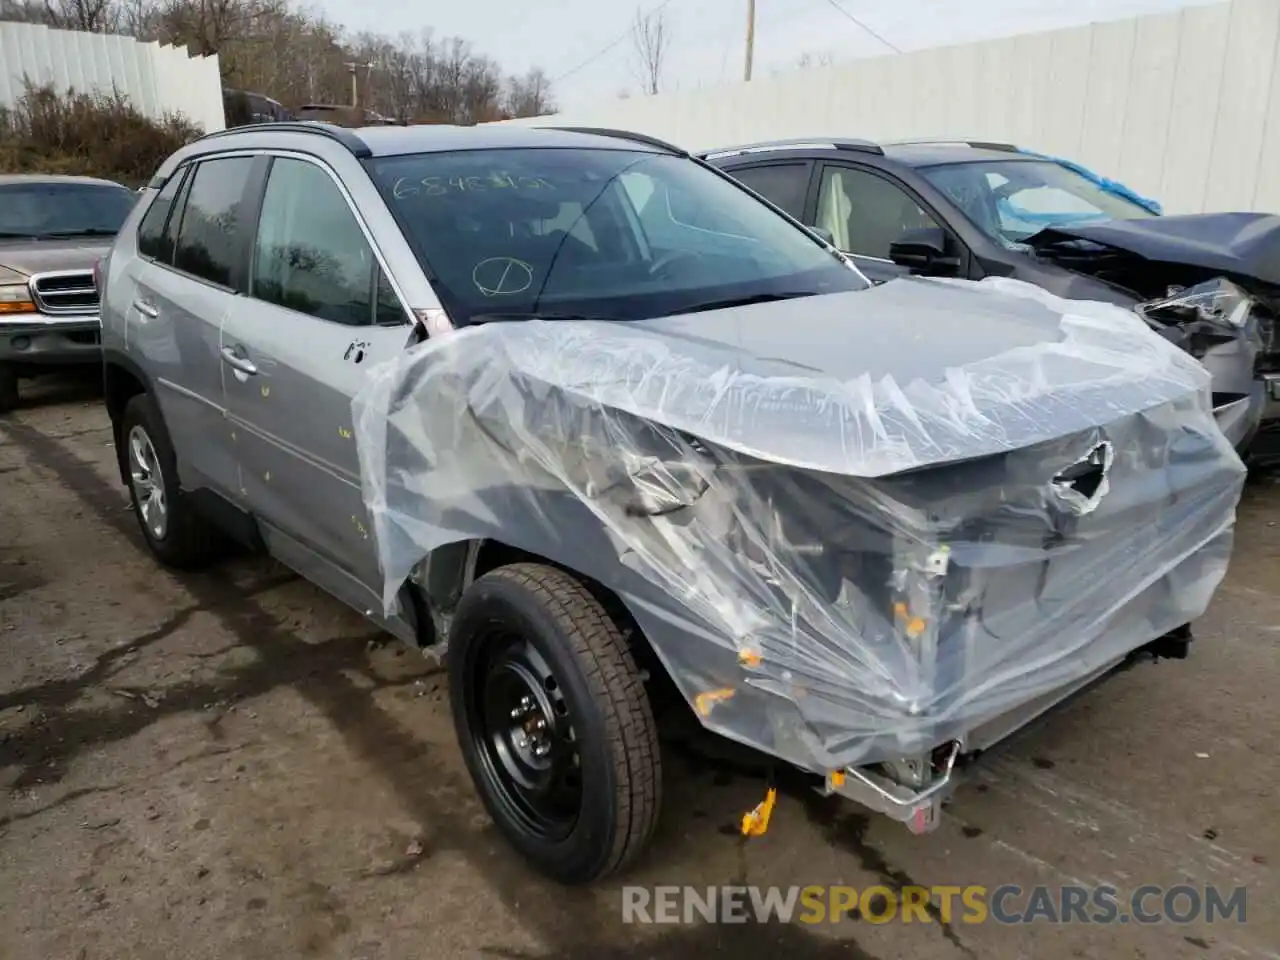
355	83
751	37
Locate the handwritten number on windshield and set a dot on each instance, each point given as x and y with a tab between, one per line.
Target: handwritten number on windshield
407	187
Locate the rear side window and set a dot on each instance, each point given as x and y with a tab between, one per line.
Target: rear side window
210	235
153	240
782	184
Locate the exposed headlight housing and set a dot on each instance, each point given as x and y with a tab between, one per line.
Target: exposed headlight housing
1217	303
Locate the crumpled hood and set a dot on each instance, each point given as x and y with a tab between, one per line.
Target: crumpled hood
905	375
1243	246
38	256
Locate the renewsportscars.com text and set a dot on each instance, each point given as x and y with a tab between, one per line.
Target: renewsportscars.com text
1006	904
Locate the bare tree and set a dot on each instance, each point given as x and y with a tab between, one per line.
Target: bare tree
530	95
22	11
651	39
282	50
93	16
138	18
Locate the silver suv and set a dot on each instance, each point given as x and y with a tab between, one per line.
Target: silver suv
609	424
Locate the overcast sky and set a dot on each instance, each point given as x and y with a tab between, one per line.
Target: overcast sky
707	36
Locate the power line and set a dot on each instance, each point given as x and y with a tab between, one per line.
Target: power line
605	49
863	26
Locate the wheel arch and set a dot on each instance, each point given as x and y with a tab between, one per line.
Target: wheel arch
449	570
123	379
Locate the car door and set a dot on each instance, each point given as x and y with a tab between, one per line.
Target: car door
866	211
191	245
320	313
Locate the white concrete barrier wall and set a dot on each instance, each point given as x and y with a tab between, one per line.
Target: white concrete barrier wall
1183	107
157	79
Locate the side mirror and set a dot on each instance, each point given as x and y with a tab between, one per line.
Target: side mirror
925	251
822	233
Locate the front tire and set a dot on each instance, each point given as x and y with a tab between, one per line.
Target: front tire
176	533
554	722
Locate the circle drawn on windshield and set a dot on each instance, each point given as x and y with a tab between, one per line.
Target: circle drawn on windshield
502	276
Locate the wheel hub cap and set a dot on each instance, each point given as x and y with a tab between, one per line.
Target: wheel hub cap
148	483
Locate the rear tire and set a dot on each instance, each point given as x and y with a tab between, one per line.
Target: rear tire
8	387
176	533
587	806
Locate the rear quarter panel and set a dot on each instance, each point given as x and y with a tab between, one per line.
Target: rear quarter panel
119	273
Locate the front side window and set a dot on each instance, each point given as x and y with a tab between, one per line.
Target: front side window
622	234
210	233
867	213
311	255
52	209
1010	200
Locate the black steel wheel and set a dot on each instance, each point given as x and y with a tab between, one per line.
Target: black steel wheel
554	722
518	715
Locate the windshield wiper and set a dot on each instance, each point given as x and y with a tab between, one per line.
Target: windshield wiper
17	235
744	301
69	234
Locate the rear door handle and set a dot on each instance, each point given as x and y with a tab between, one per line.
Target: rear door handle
146	309
234	359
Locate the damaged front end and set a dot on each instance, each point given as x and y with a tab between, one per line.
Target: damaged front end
867	571
1234	334
1208	284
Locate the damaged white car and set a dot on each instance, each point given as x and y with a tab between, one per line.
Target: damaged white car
604	414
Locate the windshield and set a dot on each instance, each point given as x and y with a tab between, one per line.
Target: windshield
618	234
1011	200
44	210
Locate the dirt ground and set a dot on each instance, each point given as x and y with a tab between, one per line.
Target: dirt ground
232	765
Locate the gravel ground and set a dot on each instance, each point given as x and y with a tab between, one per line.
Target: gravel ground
233	765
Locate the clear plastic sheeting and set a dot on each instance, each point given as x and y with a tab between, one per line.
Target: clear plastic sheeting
853	527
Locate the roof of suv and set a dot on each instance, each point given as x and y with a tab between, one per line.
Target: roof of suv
385	141
931	154
913	153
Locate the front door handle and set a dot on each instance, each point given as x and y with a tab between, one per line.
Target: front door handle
146	309
233	358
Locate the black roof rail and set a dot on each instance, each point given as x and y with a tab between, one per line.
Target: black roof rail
623	135
797	143
342	135
955	141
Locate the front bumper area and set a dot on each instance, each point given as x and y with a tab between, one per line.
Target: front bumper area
912	791
49	341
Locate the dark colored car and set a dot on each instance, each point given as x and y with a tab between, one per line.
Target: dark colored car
1209	282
